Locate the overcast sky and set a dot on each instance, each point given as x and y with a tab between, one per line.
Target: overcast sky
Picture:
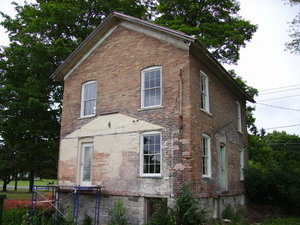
264	63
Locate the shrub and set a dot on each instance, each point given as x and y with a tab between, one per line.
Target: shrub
161	215
118	214
185	212
236	216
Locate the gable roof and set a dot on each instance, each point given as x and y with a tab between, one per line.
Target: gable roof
109	24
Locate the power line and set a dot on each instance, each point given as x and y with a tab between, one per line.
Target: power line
295	125
272	92
279	87
270	99
278	107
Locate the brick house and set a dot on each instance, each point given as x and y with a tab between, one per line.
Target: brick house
147	109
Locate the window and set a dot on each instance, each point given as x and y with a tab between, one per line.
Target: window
88	99
151	87
242	164
238	116
206	156
151	156
86	163
204	91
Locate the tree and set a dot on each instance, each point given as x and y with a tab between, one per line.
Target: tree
7	166
294	45
214	22
273	175
42	35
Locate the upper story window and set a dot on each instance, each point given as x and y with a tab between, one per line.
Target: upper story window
238	117
242	164
88	98
151	154
204	91
151	87
206	156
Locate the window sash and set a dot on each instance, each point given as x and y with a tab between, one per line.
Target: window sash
206	156
151	87
204	101
89	94
238	116
151	156
86	172
242	164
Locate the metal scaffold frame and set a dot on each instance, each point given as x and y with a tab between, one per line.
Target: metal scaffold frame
54	200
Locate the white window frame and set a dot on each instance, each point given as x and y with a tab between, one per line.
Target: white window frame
242	163
239	117
153	68
83	87
142	155
207	139
204	92
90	144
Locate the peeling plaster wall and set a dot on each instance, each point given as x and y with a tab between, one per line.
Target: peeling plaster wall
115	159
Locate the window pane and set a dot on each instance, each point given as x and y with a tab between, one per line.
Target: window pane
152	97
146	169
157	168
87	163
152	82
151	168
157	78
157	96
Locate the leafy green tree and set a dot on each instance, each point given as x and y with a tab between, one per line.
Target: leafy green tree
7	167
273	175
42	35
215	23
294	45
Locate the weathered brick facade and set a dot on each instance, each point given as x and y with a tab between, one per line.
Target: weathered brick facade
116	64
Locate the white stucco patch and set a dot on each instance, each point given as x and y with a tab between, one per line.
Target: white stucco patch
112	124
65	152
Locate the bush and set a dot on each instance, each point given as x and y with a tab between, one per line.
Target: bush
161	215
185	212
236	216
21	216
118	214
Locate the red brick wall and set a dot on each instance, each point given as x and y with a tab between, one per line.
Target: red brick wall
219	124
117	65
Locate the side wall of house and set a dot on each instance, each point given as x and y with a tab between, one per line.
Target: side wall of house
221	126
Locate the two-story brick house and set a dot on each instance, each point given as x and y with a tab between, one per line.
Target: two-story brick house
147	109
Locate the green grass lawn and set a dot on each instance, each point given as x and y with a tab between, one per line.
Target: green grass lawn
282	221
21	193
25	183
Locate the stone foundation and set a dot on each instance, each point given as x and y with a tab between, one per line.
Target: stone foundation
136	207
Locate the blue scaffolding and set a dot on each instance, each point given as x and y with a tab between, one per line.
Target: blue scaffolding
38	192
